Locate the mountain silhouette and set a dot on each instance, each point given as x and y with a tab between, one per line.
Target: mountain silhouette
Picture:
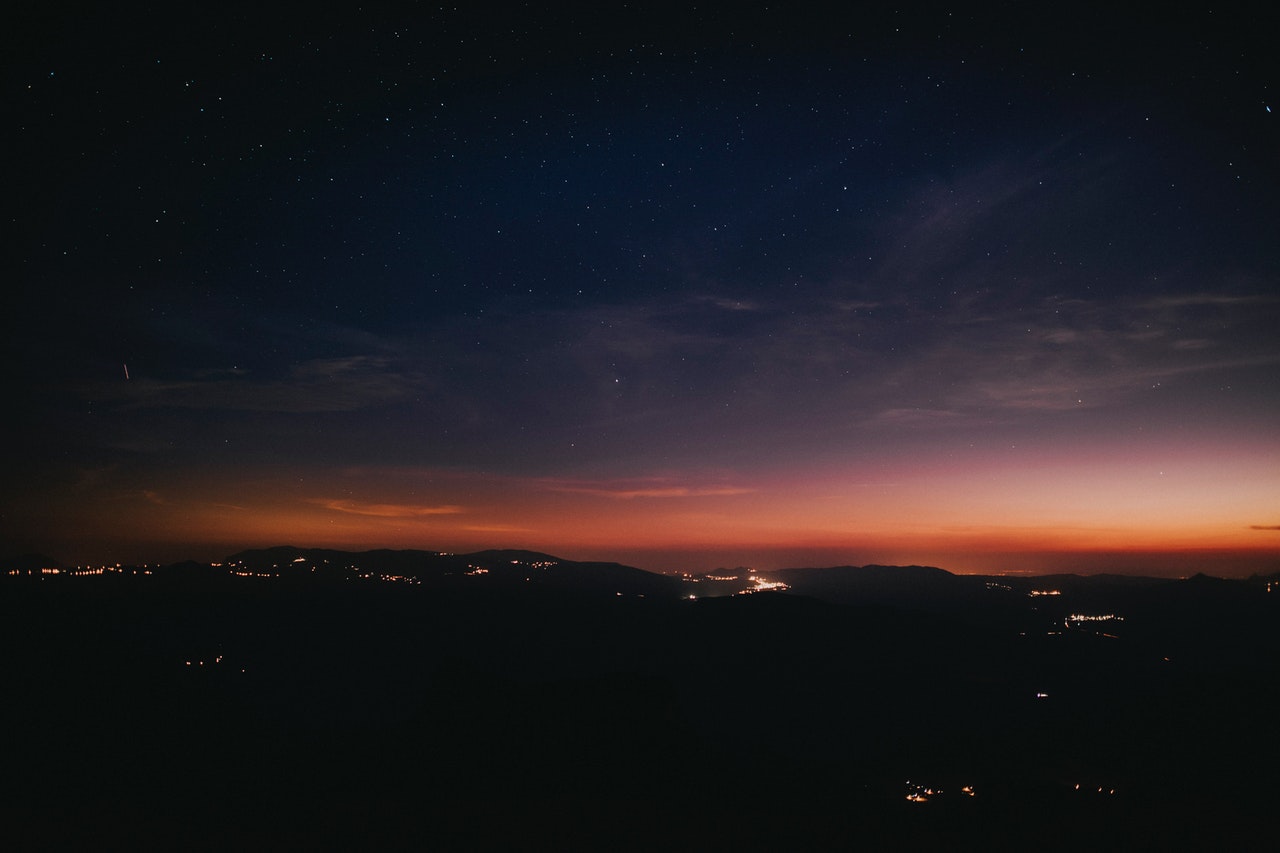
382	693
30	564
481	571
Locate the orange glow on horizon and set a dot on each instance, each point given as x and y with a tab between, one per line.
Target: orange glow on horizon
986	519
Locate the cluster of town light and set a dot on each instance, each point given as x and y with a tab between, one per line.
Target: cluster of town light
1102	789
917	793
759	584
79	571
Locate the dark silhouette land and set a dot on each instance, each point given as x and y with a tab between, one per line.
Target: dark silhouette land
303	698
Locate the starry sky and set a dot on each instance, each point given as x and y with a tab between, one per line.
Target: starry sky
680	287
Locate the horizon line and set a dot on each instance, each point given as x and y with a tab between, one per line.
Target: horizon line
1142	558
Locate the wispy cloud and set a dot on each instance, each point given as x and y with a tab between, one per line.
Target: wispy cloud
684	368
1196	300
318	385
727	304
643	488
920	417
1054	355
387	510
1264	526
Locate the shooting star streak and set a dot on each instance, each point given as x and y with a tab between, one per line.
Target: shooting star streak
126	371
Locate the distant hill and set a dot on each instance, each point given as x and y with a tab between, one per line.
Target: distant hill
923	587
387	690
482	571
1026	583
30	564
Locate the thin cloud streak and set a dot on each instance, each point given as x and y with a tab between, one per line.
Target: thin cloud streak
625	493
386	510
323	385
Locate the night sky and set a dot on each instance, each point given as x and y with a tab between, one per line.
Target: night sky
993	291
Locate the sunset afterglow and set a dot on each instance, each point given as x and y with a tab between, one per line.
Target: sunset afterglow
919	291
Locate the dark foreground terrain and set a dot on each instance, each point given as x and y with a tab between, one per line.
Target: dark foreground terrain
303	699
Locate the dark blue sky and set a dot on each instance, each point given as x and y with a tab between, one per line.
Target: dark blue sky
706	276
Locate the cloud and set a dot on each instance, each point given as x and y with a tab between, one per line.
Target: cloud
487	482
727	304
1054	354
1197	300
342	384
387	510
920	417
643	488
684	369
1264	526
